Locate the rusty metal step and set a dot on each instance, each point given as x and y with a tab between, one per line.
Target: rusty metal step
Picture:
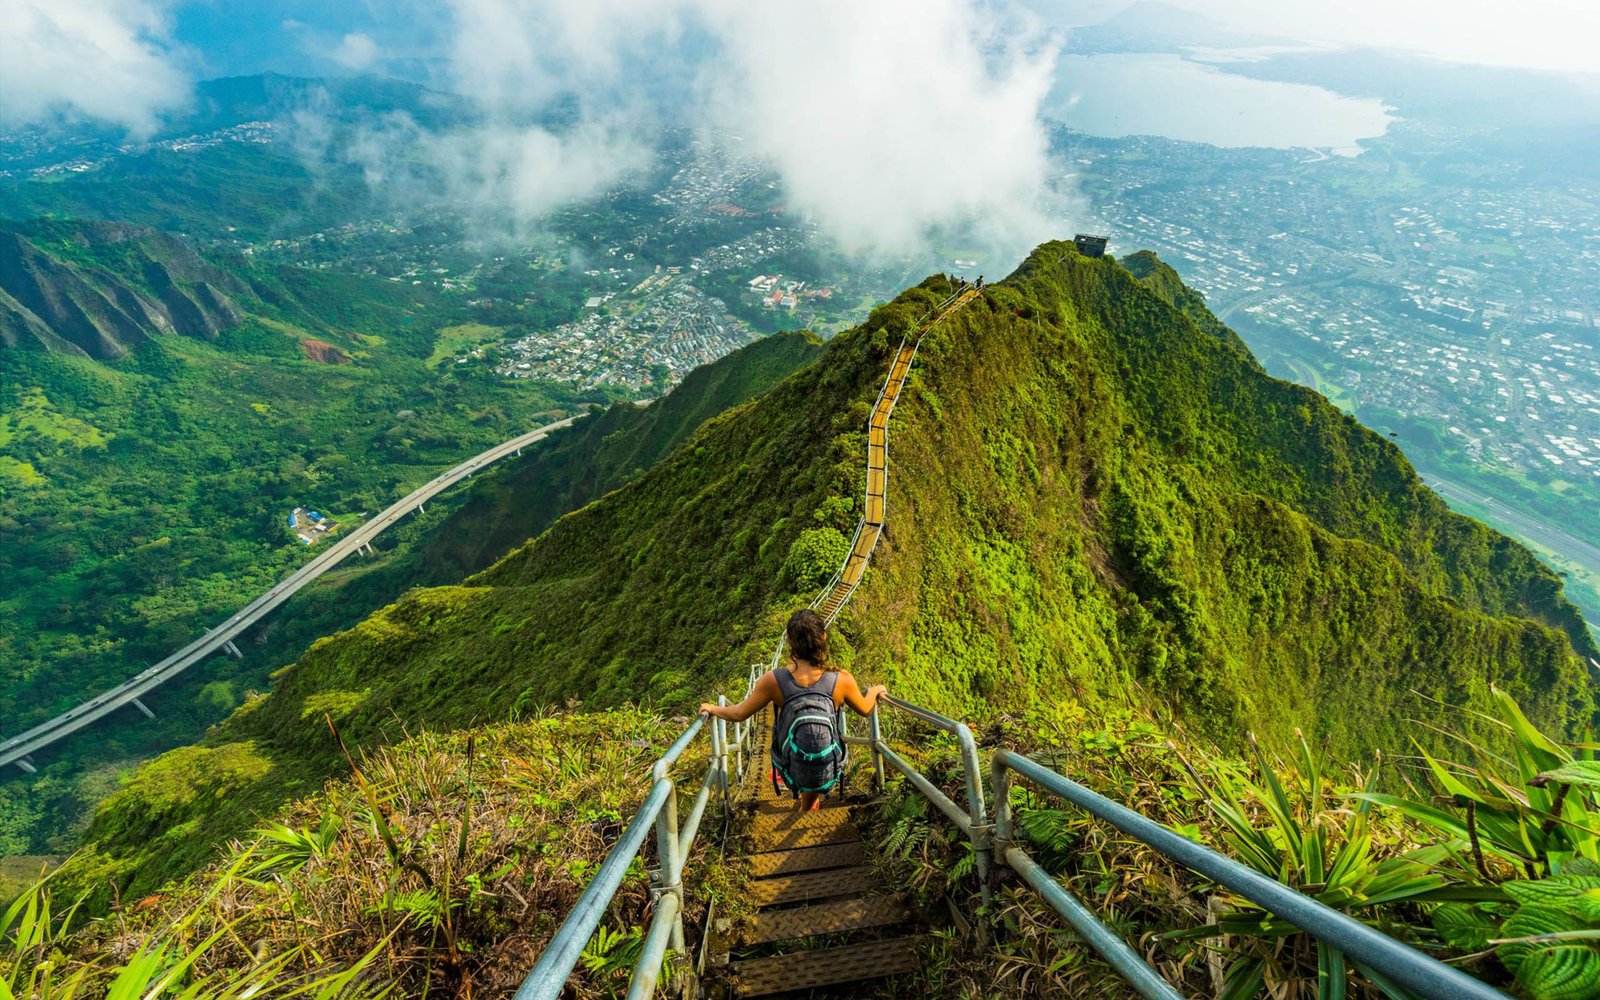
833	917
804	970
807	859
788	819
785	838
808	887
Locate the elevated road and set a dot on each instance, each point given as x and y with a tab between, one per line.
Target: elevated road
1516	522
16	749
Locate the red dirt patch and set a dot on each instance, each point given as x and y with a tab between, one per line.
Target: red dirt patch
323	352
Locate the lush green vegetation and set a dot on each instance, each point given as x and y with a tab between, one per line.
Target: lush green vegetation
1090	495
442	865
266	191
1491	864
144	499
574	468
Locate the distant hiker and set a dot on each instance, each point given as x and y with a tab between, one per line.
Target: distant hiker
808	697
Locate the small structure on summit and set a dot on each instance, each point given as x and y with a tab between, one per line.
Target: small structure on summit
1090	246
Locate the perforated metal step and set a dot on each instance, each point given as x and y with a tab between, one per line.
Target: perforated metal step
781	890
807	859
833	917
804	970
780	807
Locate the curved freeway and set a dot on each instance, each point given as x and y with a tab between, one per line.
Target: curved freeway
16	749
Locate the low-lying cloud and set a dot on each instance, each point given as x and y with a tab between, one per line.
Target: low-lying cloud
109	61
499	175
891	123
891	119
887	122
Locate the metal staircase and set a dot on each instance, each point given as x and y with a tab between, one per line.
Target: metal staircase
875	506
821	919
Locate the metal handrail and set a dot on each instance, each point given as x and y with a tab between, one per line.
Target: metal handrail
1427	976
673	843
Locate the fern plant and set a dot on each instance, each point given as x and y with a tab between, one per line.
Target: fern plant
1531	810
34	964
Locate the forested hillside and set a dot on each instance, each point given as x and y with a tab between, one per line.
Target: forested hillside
161	412
1094	499
461	533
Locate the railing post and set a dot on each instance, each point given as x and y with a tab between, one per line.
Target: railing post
669	879
876	730
719	751
982	833
1000	783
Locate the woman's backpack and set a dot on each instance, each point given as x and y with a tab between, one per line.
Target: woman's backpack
807	751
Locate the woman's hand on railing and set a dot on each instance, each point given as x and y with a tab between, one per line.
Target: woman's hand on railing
707	708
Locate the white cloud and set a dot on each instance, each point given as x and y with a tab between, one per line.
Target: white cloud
892	119
886	121
108	60
357	51
500	175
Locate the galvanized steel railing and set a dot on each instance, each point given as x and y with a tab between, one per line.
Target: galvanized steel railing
673	843
1426	976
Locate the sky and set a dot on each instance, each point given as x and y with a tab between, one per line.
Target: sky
1539	34
126	61
846	100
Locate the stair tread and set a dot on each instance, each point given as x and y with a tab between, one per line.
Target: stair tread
809	886
802	970
805	859
814	836
788	819
831	917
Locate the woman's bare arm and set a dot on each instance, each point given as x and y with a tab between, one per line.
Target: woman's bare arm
850	694
763	694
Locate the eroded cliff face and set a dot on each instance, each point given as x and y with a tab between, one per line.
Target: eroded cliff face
54	294
323	352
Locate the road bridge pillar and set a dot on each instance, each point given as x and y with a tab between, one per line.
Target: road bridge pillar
232	649
421	509
23	763
141	706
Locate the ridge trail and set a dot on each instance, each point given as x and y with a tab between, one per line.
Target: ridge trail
870	526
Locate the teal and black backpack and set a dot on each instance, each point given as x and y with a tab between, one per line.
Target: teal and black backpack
807	749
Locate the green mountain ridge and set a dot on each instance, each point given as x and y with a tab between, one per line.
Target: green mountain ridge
50	300
519	498
146	471
1095	496
601	455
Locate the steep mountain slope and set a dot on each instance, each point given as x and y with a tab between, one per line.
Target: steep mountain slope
598	456
1091	498
57	302
519	498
